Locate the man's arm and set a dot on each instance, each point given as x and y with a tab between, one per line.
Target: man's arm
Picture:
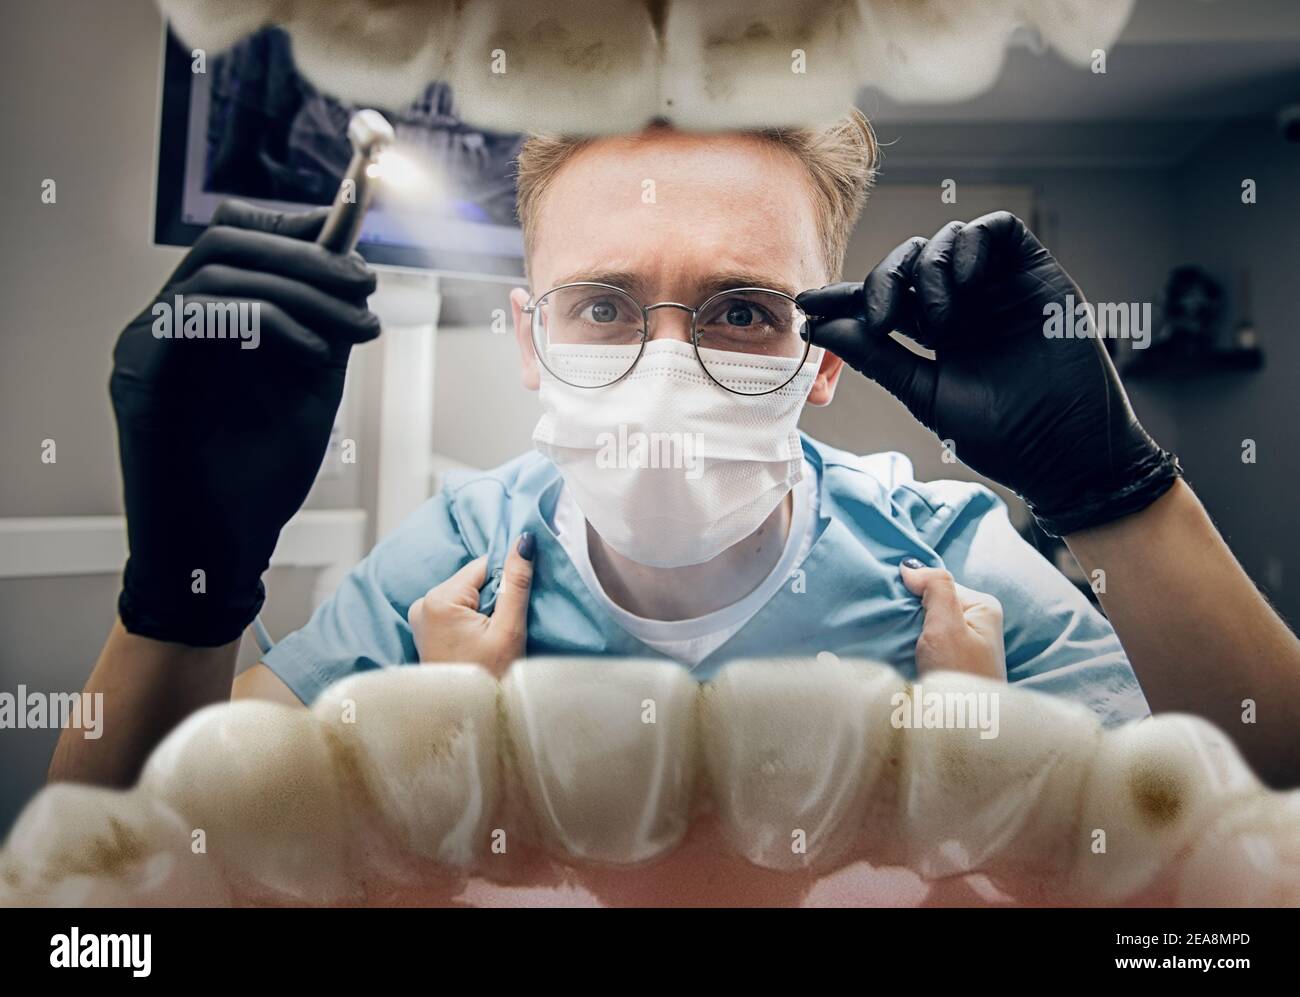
259	682
1198	633
149	686
1048	417
192	582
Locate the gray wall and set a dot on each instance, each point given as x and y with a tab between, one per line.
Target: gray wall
1254	505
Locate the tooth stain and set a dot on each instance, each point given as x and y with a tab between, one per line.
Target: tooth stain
110	854
956	763
507	756
704	719
446	743
347	763
658	11
551	37
1158	796
896	746
897	53
585	57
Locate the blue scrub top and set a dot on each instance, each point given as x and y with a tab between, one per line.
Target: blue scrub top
846	597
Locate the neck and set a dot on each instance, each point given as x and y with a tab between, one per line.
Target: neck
697	589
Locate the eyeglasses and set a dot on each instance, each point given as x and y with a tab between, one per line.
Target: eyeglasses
591	335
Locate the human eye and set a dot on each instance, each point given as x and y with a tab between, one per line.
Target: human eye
746	314
596	315
603	311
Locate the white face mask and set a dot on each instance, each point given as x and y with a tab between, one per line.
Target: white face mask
668	467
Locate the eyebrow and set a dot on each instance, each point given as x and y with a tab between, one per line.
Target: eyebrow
625	280
636	285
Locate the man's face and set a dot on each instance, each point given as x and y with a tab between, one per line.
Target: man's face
672	216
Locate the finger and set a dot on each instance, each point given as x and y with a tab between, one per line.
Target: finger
982	614
938	592
886	303
905	375
940	644
278	333
462	588
984	246
304	225
345	277
842	300
932	278
325	315
510	616
981	611
971	599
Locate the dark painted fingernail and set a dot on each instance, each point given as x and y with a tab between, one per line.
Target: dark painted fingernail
527	546
911	562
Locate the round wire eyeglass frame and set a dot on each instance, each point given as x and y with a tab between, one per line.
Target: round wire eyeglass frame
531	310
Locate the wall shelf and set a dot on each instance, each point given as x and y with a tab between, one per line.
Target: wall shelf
1169	363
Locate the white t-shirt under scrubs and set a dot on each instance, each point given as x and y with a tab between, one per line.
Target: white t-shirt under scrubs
691	641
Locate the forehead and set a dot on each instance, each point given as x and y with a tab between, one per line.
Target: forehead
674	208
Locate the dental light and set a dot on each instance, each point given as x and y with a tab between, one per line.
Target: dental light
592	66
371	137
396	169
377	162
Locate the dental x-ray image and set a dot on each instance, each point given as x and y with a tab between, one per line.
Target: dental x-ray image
652	453
252	126
272	135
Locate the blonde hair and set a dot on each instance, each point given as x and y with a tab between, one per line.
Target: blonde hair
841	160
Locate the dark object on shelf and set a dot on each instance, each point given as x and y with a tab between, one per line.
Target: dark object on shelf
1193	309
1245	338
1187	345
1173	360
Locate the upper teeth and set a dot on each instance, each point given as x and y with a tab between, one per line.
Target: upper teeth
596	760
555	65
591	66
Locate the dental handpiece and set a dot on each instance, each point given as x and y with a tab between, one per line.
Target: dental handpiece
370	134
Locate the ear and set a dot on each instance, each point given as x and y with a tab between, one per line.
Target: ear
524	339
828	375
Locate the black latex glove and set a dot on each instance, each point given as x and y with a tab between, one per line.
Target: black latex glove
220	444
1048	418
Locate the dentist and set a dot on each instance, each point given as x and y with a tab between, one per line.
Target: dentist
678	315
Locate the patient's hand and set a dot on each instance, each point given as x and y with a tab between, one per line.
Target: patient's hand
448	626
963	628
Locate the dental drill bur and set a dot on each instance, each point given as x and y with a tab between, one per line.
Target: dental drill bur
370	134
